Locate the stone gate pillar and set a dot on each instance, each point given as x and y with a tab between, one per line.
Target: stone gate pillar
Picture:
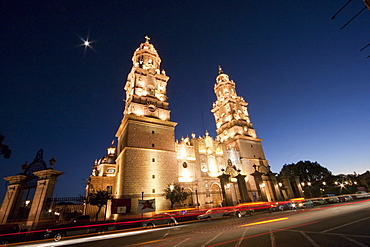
274	186
288	187
299	187
10	199
242	188
260	185
225	183
44	190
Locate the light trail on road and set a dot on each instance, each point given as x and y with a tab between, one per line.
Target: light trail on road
264	222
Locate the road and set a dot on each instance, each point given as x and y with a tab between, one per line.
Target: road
345	224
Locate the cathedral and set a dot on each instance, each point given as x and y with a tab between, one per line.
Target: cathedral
225	170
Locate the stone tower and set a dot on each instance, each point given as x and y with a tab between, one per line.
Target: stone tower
146	157
235	130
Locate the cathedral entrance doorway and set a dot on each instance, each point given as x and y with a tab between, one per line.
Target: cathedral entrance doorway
216	195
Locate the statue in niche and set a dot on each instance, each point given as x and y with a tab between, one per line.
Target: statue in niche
231	169
37	164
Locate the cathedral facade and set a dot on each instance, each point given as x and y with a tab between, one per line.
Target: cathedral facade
225	170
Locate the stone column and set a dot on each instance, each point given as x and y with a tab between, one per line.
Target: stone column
44	190
258	179
299	187
227	199
10	199
242	188
288	187
274	186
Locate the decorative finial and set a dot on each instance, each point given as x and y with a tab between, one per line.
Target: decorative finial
220	70
147	39
52	162
24	166
255	167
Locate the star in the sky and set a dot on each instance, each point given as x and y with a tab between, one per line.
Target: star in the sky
86	43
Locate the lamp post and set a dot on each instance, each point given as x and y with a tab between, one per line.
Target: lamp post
309	189
196	194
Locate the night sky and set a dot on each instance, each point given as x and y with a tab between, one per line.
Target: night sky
305	79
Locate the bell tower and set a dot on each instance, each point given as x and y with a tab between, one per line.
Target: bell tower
235	131
146	157
146	84
230	110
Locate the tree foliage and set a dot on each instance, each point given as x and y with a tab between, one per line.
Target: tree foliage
98	198
307	171
4	149
175	193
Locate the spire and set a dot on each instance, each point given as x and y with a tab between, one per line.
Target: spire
220	70
112	149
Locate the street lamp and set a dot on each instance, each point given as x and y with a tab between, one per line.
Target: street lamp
309	188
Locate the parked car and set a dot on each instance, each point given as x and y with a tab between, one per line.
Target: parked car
349	198
188	214
244	210
160	220
283	206
215	213
342	198
305	204
319	201
331	199
361	194
10	233
78	226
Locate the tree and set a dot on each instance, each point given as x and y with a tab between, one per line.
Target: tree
175	193
311	174
307	171
98	198
4	149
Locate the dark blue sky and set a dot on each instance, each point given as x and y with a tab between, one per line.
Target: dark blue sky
306	81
